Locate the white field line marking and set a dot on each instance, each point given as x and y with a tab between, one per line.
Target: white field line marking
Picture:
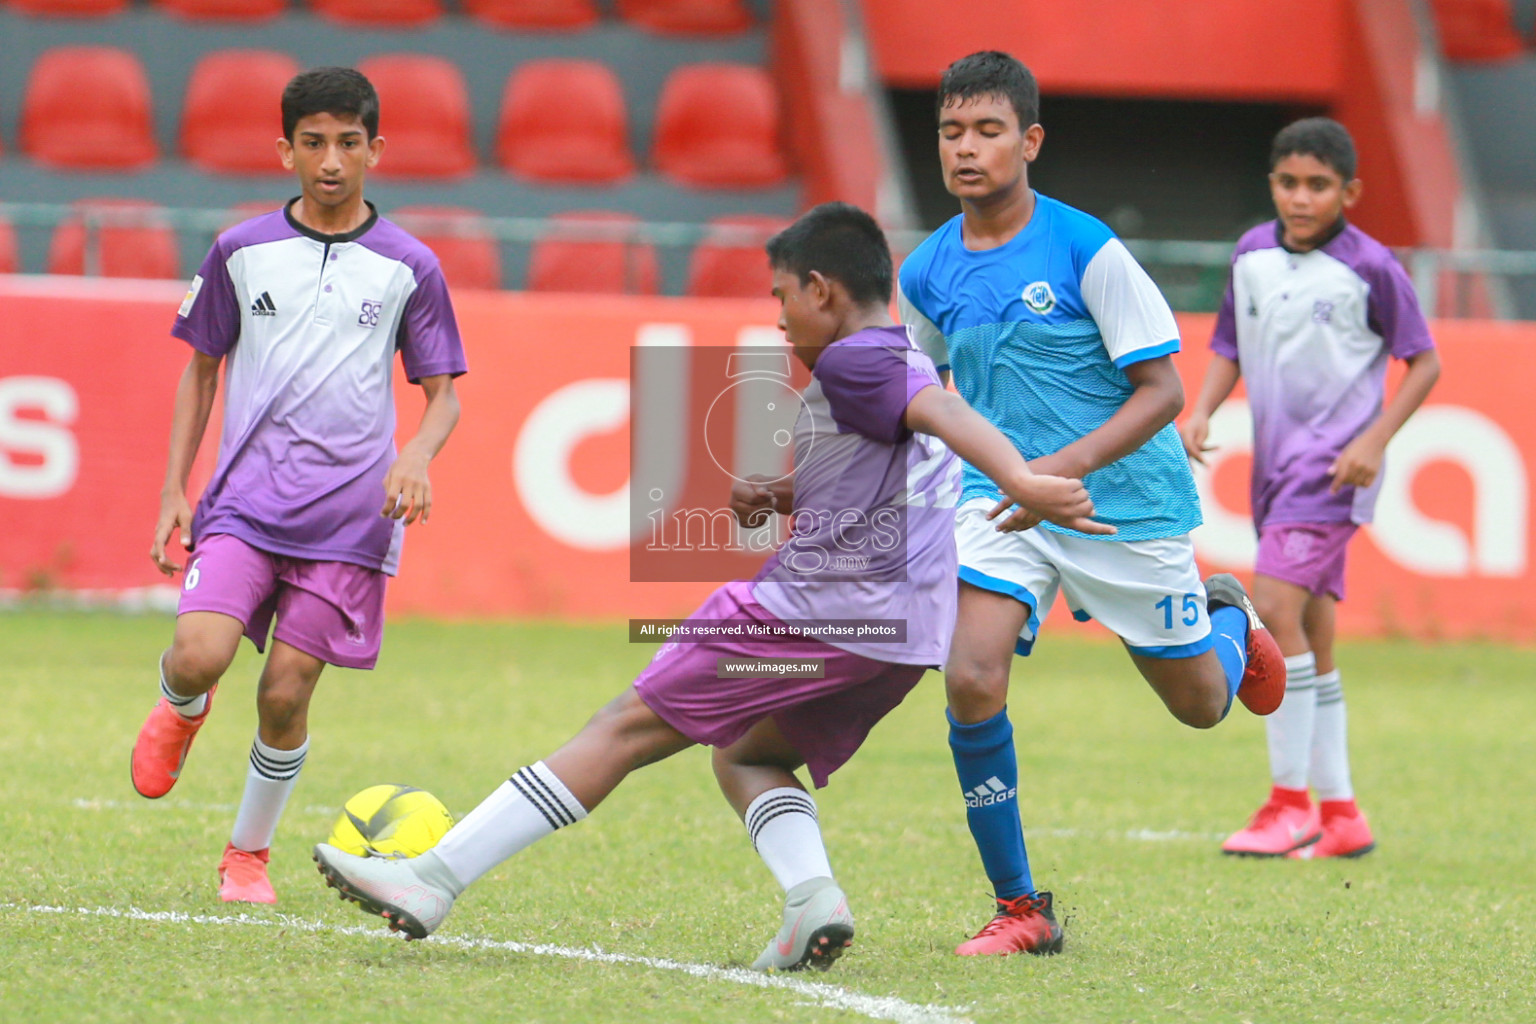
1139	835
833	996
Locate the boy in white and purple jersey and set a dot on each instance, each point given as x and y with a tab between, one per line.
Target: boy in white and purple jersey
304	515
1314	310
873	480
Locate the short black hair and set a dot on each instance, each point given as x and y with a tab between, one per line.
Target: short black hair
341	92
845	244
1321	137
992	73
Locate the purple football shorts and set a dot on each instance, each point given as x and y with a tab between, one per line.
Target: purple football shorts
333	611
824	719
1310	555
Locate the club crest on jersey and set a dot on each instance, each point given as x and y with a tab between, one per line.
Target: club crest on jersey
1039	297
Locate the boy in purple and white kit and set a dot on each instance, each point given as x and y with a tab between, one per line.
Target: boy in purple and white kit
869	450
1314	310
304	515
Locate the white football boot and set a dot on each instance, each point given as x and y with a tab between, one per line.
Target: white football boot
414	895
817	928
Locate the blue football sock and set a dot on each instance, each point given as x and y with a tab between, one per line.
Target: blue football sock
989	778
1231	628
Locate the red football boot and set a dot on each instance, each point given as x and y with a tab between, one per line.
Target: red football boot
1286	824
1345	833
243	877
1022	925
1263	685
162	747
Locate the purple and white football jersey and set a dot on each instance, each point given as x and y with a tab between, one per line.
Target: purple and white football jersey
309	325
1311	333
873	522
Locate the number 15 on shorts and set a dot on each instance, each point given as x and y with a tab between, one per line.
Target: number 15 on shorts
1189	610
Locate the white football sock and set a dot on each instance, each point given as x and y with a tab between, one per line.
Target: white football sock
524	809
1330	741
186	707
1290	728
782	825
268	783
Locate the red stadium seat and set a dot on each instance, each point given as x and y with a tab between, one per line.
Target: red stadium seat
467	251
10	263
224	10
1477	30
88	107
386	13
688	17
70	8
233	116
144	247
730	262
717	126
565	120
425	119
546	15
611	264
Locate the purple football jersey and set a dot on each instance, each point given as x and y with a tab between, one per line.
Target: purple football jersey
309	325
1312	333
873	523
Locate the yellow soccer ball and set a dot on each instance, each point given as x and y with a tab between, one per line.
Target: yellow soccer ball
390	821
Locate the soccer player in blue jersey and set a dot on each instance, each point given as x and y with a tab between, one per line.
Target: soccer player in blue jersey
1055	334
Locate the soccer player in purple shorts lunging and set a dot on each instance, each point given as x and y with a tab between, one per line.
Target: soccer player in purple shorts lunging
869	444
304	515
1314	309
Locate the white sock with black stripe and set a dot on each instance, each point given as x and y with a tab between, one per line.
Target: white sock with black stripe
782	825
268	784
524	809
186	707
1330	741
1289	729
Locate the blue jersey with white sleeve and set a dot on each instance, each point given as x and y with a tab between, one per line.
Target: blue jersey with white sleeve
1037	334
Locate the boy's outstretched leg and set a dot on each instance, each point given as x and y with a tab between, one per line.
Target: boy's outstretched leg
981	739
416	895
203	647
756	774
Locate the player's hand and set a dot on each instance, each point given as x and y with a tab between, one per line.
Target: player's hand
1057	499
752	501
1018	520
1193	432
407	491
175	521
1357	465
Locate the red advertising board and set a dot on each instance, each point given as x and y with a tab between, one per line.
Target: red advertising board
531	512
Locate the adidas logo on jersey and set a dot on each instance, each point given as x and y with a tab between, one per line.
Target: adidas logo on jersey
263	306
990	792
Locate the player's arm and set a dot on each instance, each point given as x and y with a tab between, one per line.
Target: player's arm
189	421
407	489
1156	399
1221	376
1360	461
1062	501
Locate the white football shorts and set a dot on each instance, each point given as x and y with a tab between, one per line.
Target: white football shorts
1148	592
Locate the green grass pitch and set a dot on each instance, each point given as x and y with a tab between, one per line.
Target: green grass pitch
108	908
